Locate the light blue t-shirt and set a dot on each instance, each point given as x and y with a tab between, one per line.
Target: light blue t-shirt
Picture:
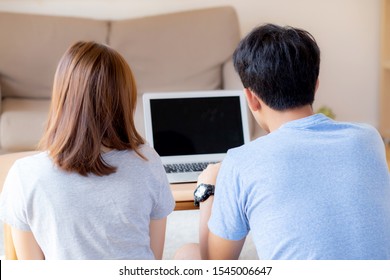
78	217
313	189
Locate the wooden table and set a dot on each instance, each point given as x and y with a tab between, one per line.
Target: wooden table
184	196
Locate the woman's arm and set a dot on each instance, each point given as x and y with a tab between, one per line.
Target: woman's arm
26	246
157	237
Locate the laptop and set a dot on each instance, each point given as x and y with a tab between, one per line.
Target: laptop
191	129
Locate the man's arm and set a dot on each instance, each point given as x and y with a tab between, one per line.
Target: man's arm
223	249
212	246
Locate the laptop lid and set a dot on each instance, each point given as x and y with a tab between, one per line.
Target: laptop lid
195	126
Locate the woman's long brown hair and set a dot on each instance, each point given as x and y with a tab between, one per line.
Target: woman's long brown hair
93	102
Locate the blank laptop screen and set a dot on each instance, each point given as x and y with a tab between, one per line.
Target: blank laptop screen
190	126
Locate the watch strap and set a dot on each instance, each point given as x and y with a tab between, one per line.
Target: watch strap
209	191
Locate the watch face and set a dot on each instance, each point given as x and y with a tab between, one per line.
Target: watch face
200	191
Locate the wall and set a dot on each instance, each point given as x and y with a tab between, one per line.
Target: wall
346	30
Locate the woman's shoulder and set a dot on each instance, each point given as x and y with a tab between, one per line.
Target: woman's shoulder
148	151
34	159
32	166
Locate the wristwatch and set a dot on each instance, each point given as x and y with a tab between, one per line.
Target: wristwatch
203	192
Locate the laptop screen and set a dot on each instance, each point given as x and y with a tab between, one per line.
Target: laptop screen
200	125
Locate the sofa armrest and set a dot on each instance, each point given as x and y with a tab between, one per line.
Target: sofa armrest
1	98
1	110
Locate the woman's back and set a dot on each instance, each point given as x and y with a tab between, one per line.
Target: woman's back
89	217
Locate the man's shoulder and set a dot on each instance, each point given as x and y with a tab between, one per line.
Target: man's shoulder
261	148
360	131
261	144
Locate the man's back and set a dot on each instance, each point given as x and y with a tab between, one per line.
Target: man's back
313	189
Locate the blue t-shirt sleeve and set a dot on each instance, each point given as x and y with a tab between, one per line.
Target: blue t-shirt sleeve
12	201
228	219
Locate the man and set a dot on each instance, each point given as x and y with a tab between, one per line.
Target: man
312	188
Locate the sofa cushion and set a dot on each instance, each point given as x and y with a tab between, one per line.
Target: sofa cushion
22	123
1	98
31	46
196	42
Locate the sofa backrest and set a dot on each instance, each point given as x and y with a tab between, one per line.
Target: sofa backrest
177	51
31	46
188	50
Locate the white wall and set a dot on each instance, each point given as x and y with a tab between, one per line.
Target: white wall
346	30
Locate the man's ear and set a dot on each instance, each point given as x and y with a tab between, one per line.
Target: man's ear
253	100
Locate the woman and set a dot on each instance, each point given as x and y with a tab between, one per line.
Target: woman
97	191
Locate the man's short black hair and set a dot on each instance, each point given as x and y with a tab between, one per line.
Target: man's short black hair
280	64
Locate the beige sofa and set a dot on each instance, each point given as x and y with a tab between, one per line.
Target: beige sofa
171	52
188	50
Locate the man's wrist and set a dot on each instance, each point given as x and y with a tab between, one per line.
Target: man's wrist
203	192
207	203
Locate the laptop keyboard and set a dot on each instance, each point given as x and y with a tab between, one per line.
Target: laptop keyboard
186	167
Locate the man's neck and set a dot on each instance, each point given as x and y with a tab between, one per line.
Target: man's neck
276	119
